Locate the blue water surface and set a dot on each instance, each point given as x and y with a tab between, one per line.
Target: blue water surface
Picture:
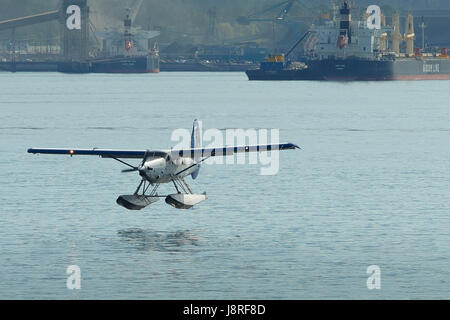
370	187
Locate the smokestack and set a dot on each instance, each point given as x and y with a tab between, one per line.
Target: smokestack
410	36
346	19
396	34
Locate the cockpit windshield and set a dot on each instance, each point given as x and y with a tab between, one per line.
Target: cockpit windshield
157	154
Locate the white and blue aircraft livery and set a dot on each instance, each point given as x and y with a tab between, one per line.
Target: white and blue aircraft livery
165	166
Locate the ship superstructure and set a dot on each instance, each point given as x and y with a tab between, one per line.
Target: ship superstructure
358	49
342	38
127	51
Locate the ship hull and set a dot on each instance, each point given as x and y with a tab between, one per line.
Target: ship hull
204	67
29	66
138	64
361	70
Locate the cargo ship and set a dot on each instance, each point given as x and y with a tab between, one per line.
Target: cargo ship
123	51
127	52
132	64
144	63
349	50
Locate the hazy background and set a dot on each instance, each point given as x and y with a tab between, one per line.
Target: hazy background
189	21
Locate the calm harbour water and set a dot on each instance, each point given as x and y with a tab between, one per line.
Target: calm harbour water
370	187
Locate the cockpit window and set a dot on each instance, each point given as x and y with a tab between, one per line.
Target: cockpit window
157	154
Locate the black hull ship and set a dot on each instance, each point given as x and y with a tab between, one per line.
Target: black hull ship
346	50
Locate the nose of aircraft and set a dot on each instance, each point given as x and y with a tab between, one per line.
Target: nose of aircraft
143	171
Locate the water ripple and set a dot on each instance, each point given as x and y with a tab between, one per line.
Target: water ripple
151	240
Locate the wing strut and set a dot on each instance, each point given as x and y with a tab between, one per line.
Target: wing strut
195	164
133	168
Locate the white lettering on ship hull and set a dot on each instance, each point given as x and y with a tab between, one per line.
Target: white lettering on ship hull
431	68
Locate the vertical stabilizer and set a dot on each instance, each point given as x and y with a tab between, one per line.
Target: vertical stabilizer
196	142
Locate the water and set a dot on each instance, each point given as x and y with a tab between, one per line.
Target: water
369	187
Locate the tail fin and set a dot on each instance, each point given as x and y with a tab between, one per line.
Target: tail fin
196	142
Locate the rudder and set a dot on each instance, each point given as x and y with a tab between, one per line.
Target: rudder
196	142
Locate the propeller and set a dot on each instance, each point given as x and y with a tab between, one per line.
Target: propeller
133	169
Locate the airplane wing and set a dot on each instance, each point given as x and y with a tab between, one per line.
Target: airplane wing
226	151
139	154
104	153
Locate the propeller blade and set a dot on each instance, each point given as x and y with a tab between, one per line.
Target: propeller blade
133	169
145	157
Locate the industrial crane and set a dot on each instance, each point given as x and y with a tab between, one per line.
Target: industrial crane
281	17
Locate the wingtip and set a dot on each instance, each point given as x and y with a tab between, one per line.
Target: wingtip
295	146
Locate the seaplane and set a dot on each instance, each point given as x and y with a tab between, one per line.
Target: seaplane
165	166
